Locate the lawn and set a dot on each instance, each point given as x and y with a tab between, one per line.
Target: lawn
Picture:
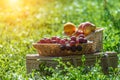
23	22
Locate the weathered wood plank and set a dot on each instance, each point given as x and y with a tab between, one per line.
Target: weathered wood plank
108	59
36	56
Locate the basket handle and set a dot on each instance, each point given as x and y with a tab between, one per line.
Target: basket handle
98	30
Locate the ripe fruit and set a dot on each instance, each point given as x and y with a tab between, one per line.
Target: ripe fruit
73	48
85	40
73	38
62	42
82	35
58	39
72	43
53	41
87	28
54	38
47	40
77	41
66	40
81	40
41	41
79	48
69	29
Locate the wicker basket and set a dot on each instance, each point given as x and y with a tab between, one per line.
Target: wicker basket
97	38
54	49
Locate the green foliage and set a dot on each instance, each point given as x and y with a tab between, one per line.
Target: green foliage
66	71
20	27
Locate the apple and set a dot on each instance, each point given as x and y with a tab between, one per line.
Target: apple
93	27
87	28
69	29
80	27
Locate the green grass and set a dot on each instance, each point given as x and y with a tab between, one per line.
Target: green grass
20	28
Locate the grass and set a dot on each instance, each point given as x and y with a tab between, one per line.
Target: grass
20	27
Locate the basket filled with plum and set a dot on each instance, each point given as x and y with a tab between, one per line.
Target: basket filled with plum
56	46
77	41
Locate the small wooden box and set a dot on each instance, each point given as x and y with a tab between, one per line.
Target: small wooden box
108	59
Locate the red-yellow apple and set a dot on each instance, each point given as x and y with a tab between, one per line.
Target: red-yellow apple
87	28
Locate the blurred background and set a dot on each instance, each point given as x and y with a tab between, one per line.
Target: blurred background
23	22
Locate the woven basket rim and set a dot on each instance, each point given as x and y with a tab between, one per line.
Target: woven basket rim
89	42
45	44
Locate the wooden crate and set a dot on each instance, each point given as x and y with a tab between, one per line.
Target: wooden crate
108	59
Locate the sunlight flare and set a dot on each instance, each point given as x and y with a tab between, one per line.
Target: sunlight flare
14	3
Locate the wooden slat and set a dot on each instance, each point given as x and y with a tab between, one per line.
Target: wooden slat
36	56
108	59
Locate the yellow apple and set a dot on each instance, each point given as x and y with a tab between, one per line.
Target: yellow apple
69	29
